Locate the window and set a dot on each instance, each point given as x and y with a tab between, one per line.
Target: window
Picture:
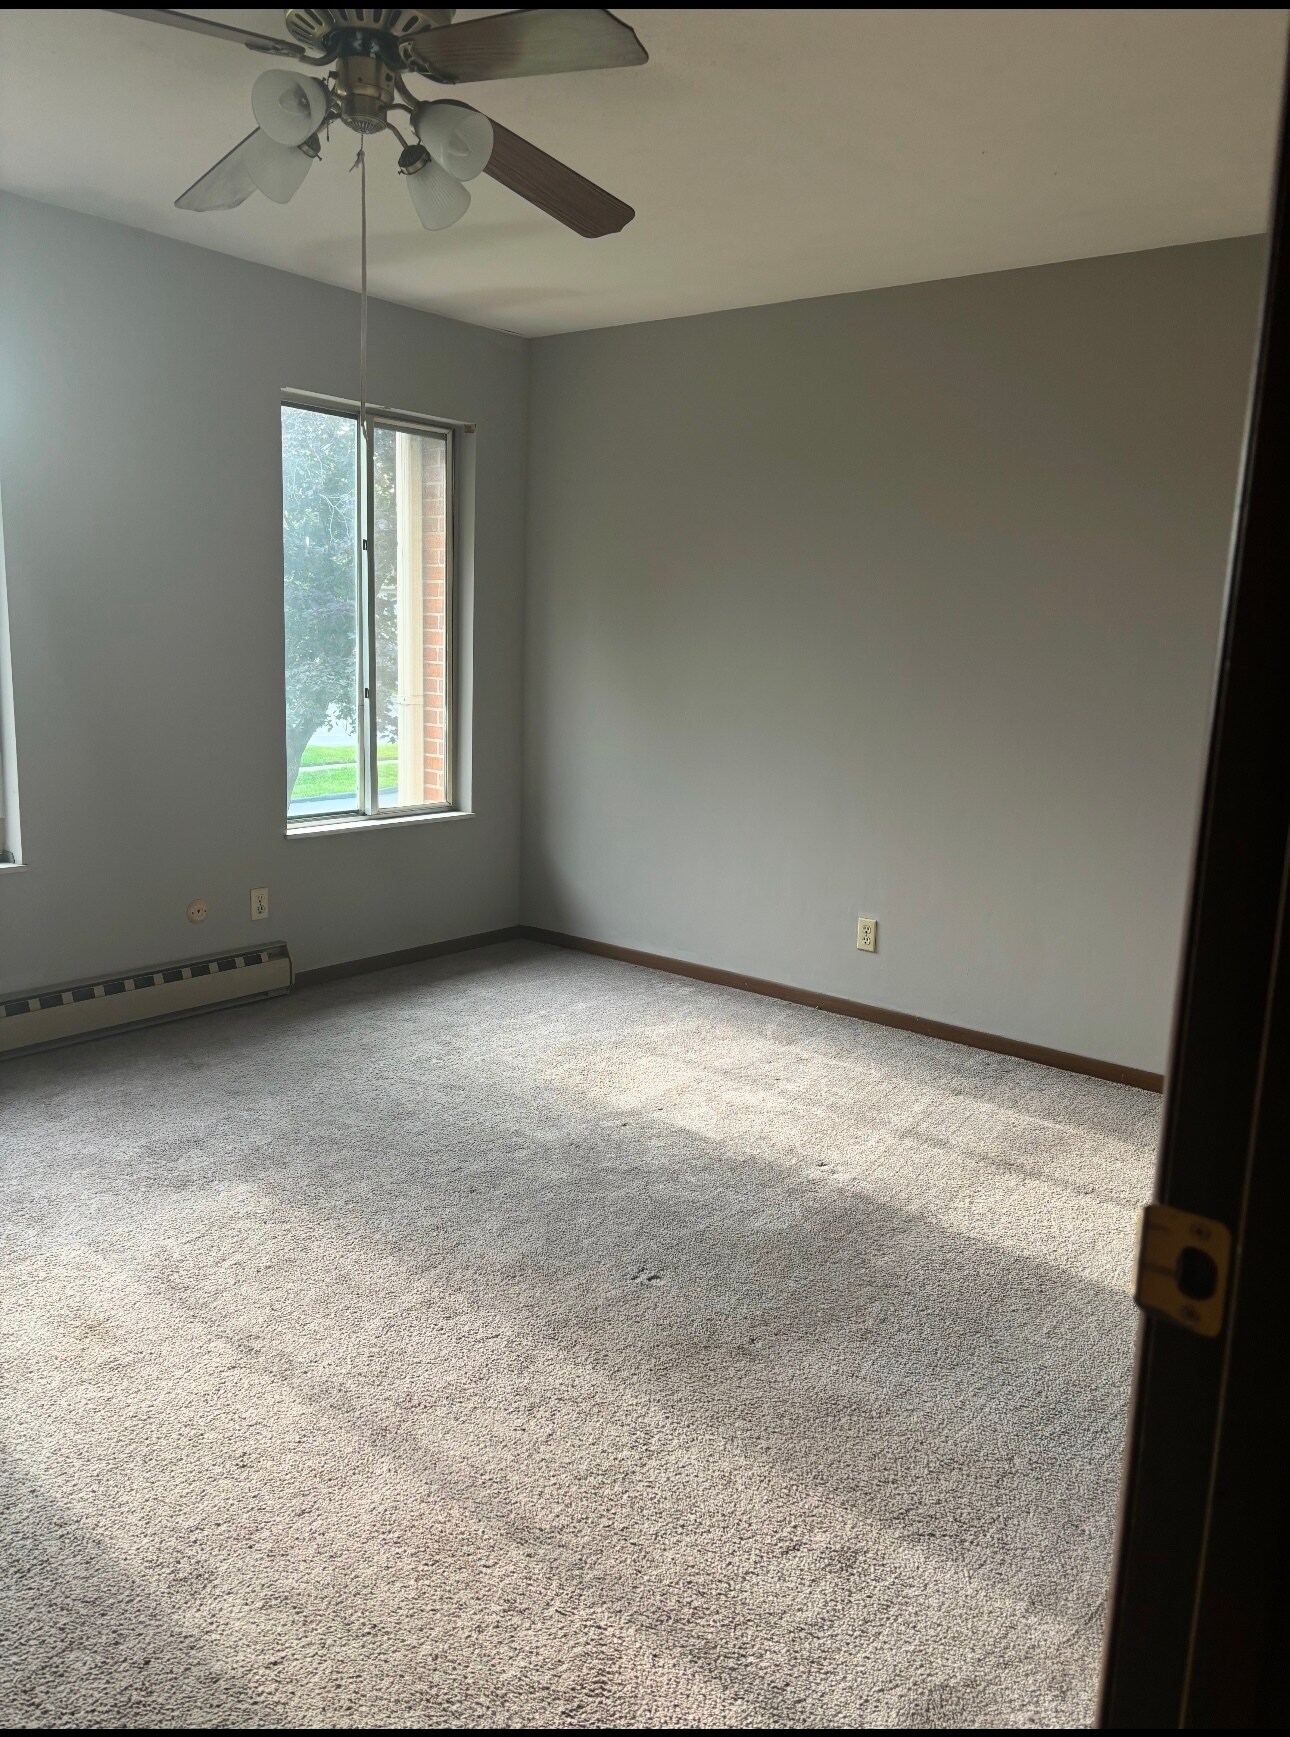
368	592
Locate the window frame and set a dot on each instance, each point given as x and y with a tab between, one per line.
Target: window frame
11	857
368	812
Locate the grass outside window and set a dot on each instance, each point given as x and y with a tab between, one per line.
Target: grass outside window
328	771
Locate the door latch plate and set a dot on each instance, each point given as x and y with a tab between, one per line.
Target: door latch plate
1183	1263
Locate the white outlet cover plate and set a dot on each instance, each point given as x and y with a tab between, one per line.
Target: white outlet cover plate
196	912
867	934
259	904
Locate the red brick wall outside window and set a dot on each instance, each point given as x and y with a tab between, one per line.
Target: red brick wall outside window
434	618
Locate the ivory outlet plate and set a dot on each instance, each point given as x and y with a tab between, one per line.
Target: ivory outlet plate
867	934
259	904
196	912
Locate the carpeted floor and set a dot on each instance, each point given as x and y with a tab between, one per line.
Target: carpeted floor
526	1339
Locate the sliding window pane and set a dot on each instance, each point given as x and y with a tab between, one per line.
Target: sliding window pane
320	562
410	550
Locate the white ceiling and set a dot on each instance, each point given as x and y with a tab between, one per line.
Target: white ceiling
769	154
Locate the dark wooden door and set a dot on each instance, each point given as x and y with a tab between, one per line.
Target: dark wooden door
1200	1584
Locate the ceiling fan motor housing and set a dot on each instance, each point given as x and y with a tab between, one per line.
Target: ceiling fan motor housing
324	27
365	42
365	88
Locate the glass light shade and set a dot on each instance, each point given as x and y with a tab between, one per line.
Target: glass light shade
439	199
290	109
277	170
458	137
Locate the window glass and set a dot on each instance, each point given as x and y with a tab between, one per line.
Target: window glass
321	598
368	650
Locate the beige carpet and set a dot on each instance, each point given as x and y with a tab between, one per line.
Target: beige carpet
526	1339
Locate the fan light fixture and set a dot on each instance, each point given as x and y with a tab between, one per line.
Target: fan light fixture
438	198
277	170
458	137
289	108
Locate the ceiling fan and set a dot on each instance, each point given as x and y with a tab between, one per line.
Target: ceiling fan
369	52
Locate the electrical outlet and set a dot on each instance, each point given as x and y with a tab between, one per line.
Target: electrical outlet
867	934
196	912
259	904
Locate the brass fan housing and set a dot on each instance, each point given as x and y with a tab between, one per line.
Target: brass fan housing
321	27
365	89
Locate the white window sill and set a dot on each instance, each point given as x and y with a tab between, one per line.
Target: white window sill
12	868
371	822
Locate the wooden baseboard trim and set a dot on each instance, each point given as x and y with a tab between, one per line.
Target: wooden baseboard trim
407	956
1050	1058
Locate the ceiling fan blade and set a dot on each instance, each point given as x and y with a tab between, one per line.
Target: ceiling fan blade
520	44
208	27
553	187
224	186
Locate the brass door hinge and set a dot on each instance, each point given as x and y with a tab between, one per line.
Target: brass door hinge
1183	1262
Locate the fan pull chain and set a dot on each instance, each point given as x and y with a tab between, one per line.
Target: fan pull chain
362	317
360	163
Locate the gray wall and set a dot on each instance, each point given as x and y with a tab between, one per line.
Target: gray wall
142	496
902	603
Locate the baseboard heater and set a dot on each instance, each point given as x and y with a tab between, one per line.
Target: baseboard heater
82	1010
